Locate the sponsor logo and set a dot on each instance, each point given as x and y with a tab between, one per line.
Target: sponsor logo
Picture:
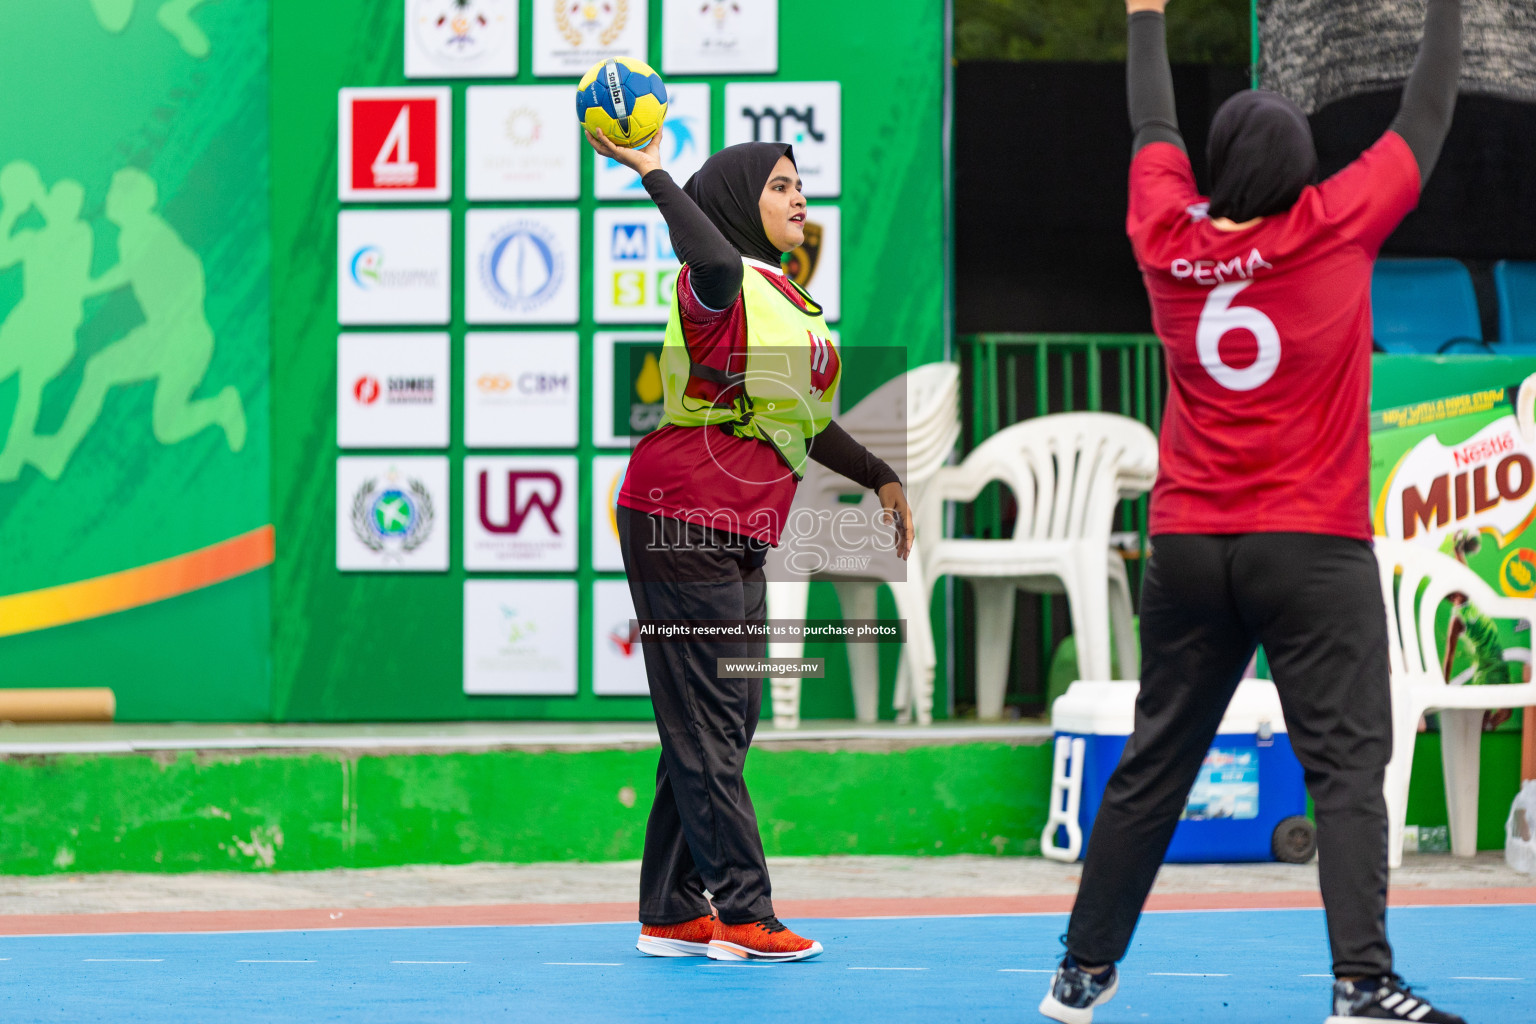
768	124
586	21
625	638
516	628
801	265
523	126
523	267
637	402
1486	483
531	384
1517	574
395	390
366	390
453	30
392	517
367	270
527	491
681	133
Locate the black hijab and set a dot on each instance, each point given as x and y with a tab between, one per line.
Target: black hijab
727	188
1261	156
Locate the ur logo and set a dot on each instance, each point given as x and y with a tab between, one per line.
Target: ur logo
366	390
522	267
366	265
769	124
527	491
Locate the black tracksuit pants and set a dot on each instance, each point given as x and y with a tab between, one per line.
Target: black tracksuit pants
702	833
1314	602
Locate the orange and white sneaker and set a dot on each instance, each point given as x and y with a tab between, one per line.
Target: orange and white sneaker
689	938
767	939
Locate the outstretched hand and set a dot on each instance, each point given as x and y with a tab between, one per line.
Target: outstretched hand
894	501
641	161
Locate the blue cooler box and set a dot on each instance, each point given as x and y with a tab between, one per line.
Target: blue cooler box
1248	803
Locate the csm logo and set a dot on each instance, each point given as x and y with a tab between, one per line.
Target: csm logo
630	242
774	119
522	267
527	492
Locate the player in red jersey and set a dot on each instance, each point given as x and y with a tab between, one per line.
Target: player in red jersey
1260	515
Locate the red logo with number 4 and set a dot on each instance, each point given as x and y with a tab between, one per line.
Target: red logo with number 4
394	143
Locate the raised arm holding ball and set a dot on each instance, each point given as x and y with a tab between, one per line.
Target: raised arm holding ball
749	372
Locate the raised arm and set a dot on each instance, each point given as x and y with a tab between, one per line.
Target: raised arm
714	265
1148	78
1429	98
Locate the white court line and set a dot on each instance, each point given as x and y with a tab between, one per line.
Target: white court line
429	961
887	968
1183	974
578	963
1473	977
122	960
1025	970
276	961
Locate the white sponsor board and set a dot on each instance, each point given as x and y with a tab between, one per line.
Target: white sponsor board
460	38
392	514
569	36
635	269
521	266
626	386
520	513
392	267
521	389
607	476
807	115
720	37
520	637
618	666
392	390
684	145
521	142
822	256
395	145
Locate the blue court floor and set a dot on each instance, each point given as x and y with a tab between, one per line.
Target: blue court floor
1250	967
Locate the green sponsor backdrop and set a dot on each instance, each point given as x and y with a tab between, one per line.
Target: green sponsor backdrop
134	326
389	646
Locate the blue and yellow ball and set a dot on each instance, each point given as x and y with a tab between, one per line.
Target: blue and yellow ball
622	98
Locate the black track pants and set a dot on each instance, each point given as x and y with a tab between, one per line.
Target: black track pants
1314	602
702	833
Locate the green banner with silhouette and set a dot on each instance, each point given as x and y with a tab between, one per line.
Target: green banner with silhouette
135	354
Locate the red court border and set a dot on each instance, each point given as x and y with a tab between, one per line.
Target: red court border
595	913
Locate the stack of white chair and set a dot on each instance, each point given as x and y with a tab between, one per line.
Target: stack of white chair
1067	472
1415	581
912	423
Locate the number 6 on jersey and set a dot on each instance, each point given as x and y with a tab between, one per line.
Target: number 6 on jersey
1220	317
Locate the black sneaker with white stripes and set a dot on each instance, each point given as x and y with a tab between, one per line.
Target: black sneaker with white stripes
1075	992
1384	998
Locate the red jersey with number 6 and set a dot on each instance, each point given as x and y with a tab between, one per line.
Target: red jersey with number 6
1267	332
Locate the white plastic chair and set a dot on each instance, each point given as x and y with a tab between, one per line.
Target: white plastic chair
930	396
1066	472
1415	580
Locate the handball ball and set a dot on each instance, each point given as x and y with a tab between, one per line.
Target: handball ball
623	99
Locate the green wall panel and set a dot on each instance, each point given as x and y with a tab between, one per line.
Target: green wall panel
154	304
389	646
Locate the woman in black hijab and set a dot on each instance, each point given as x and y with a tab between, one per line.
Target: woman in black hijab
1260	520
703	499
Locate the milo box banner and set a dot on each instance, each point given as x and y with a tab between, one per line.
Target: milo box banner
1459	474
